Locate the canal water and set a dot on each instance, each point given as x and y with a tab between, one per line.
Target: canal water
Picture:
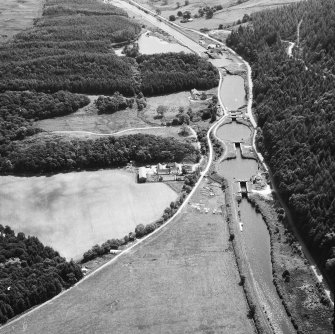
232	92
234	133
255	235
149	44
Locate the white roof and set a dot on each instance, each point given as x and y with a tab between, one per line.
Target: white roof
142	172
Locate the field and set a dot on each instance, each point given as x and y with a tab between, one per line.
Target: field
72	212
16	15
186	284
231	12
88	119
172	102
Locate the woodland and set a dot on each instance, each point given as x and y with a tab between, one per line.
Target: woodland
52	154
71	48
294	98
30	273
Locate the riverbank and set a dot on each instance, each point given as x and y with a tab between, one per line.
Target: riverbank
246	280
302	295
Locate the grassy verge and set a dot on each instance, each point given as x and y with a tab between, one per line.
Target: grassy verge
302	296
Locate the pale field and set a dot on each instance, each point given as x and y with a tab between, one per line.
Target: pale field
16	15
229	15
183	279
171	131
74	211
231	12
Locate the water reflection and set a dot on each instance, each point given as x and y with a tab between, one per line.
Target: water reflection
257	242
233	92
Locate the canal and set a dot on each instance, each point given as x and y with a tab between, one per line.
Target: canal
255	235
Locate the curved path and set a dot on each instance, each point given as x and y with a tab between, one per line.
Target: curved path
106	134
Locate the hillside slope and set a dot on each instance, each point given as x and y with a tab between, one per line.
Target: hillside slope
294	104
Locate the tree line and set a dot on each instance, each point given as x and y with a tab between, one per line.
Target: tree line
19	109
58	154
294	103
30	273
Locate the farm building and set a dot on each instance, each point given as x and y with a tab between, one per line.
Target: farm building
162	169
142	175
195	94
174	168
188	169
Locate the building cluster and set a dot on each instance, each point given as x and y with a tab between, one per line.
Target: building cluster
164	172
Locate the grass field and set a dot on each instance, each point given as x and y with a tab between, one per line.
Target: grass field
172	102
181	280
171	131
87	119
16	15
231	12
72	212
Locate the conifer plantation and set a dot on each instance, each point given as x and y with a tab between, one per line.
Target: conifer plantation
294	100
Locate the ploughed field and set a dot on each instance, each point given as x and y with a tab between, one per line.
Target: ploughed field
72	212
183	279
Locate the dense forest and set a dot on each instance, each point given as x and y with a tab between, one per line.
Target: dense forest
294	103
173	72
19	109
71	48
30	273
50	154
